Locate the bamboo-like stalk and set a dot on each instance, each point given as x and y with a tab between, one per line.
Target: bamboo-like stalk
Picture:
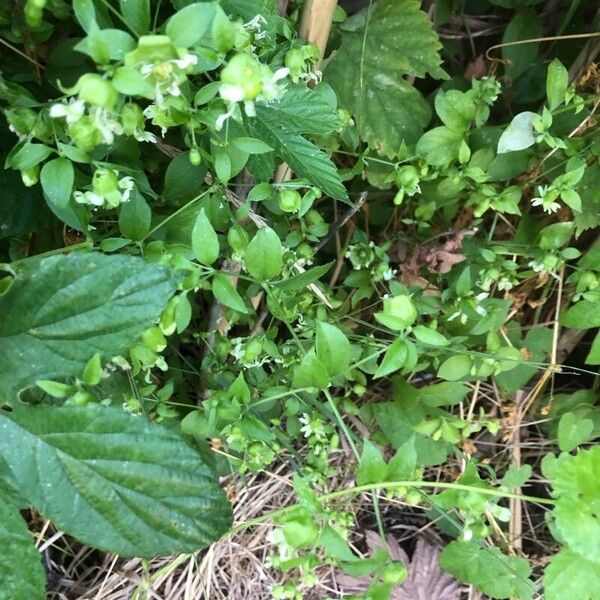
315	25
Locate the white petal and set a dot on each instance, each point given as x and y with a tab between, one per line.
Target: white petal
281	74
231	93
250	108
58	110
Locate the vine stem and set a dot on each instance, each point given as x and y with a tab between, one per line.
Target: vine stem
368	487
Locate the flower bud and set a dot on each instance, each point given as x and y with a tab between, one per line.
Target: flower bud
289	201
94	89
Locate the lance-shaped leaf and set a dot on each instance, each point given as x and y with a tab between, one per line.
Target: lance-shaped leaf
113	480
59	312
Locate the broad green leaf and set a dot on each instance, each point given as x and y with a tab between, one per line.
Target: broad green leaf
264	255
188	25
223	165
557	83
137	14
205	242
104	45
333	348
585	314
393	359
440	145
490	571
570	576
302	280
447	393
369	69
59	312
251	145
311	372
519	134
455	109
371	466
429	336
516	476
456	367
27	155
248	9
573	431
183	180
135	217
21	573
226	294
57	177
113	480
524	25
129	81
576	485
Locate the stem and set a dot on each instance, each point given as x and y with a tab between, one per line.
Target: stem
367	487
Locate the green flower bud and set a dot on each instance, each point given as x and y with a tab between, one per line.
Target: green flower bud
242	37
94	89
30	176
294	61
244	71
310	52
237	238
132	118
289	201
407	176
84	134
313	218
253	349
152	49
104	181
195	158
305	251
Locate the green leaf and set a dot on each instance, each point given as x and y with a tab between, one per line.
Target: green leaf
104	45
311	372
393	359
205	242
20	565
585	314
570	576
576	485
455	109
490	571
57	177
516	476
281	125
525	25
371	466
593	358
429	336
251	145
226	294
92	372
137	14
302	280
113	480
573	431
264	255
447	393
557	83
519	134
332	348
369	69
135	217
440	145
188	25
183	180
27	155
456	367
59	312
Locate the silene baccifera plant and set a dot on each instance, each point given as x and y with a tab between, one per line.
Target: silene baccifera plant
166	285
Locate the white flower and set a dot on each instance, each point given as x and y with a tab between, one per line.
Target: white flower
231	93
89	198
270	89
144	136
250	108
126	184
105	124
174	89
72	110
549	207
187	61
538	267
222	118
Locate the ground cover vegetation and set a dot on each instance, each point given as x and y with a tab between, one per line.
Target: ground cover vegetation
348	250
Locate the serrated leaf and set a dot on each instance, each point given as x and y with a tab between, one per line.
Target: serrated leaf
113	480
490	571
21	573
570	576
576	485
59	312
332	348
368	73
281	124
205	242
264	255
